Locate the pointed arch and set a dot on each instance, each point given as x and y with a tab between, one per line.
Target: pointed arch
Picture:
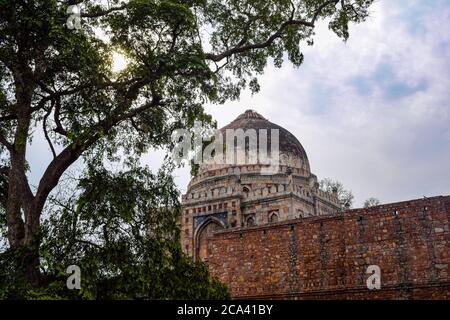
203	236
273	217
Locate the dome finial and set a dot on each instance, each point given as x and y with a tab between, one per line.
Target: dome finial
250	114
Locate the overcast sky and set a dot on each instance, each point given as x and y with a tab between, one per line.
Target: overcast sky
373	113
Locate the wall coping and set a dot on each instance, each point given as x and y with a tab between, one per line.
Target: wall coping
348	214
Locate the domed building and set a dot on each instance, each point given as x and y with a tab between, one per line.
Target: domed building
246	195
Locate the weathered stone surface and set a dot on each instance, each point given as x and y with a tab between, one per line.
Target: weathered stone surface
327	257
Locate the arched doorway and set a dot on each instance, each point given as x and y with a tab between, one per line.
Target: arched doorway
204	235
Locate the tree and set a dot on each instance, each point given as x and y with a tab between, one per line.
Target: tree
181	54
371	202
120	229
334	186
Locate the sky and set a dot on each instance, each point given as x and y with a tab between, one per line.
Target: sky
372	112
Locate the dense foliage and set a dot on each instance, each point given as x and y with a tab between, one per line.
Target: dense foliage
120	229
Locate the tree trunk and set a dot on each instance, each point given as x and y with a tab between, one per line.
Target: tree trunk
24	209
21	218
23	235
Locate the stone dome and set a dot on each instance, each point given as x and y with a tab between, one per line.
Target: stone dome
251	119
291	152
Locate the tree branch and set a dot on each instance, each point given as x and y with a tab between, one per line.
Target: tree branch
59	128
72	152
44	127
89	243
321	7
102	13
6	143
240	48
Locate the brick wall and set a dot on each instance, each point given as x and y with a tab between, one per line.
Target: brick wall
327	257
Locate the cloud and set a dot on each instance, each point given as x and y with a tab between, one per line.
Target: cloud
387	82
373	112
